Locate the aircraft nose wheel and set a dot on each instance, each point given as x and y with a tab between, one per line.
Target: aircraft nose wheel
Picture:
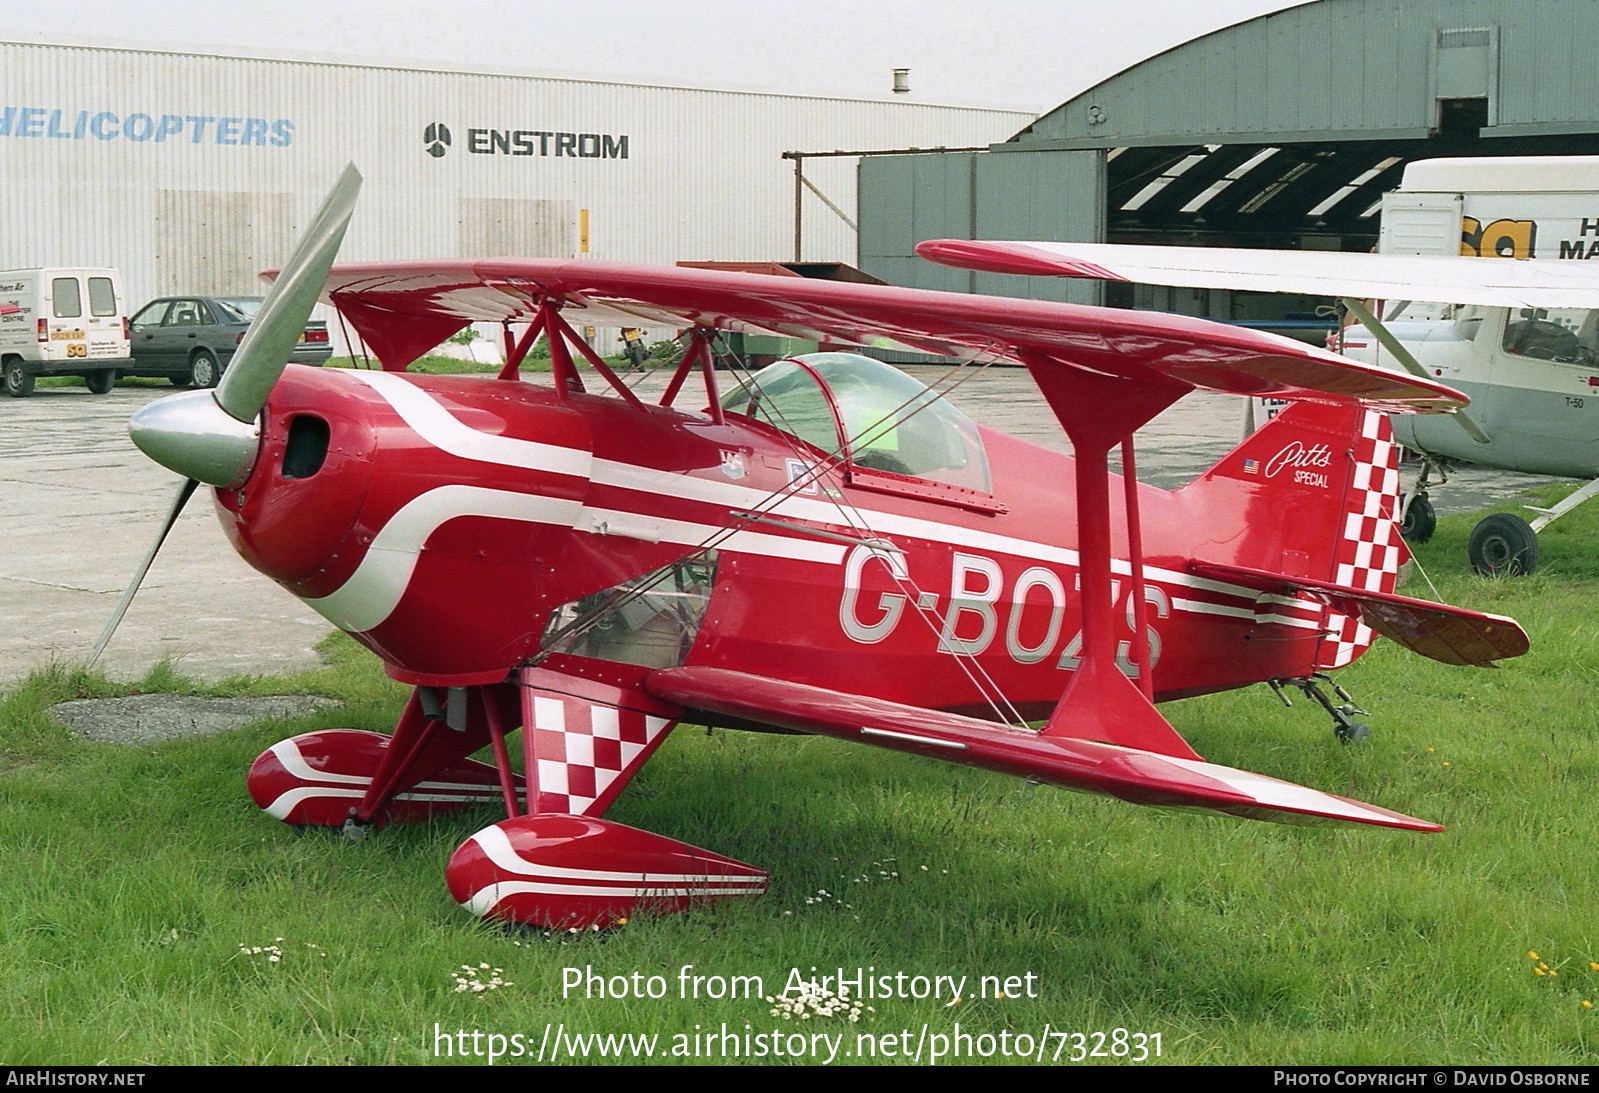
1420	519
1503	545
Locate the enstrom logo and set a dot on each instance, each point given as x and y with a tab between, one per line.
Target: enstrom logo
436	139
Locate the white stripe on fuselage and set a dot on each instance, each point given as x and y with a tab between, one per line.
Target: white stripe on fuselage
379	582
442	429
873	522
373	591
376	587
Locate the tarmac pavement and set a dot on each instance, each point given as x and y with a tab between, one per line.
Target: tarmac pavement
79	506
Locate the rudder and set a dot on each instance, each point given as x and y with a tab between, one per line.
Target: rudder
1369	551
1330	478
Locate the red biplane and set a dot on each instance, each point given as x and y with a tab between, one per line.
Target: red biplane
826	547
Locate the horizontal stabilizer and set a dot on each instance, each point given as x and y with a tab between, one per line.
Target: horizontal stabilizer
1532	282
1130	774
1449	635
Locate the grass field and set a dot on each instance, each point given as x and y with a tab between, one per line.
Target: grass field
139	879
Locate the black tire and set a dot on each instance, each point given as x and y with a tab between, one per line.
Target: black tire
1503	545
1352	732
19	383
100	383
1420	521
203	370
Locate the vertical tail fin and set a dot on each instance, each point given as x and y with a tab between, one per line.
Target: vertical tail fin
1313	493
1369	551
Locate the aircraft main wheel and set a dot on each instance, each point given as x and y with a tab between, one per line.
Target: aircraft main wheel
1421	520
19	383
203	370
1503	545
100	383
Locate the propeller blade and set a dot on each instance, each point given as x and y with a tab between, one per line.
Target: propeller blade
212	435
265	351
185	491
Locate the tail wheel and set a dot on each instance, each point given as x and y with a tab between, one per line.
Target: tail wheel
100	383
1503	545
1420	521
1351	732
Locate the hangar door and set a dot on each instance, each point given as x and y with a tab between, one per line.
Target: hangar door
1052	195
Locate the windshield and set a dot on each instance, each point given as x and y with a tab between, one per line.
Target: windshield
788	397
239	309
872	413
1569	335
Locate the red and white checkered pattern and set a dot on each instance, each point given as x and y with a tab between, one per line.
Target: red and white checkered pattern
581	753
1370	551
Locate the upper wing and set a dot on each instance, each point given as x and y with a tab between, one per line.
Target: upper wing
1142	777
1534	282
404	309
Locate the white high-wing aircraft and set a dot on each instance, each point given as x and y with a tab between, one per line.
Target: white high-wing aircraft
1521	338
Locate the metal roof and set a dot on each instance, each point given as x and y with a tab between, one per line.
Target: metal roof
1297	121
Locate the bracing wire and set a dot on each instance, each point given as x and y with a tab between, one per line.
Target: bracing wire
853	518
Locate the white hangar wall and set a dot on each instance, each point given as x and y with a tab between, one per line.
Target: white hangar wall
192	173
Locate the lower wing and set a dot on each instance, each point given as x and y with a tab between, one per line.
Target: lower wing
1131	774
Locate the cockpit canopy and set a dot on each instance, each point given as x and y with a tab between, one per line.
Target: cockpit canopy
867	413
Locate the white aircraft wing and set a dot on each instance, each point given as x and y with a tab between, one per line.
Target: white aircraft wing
1504	282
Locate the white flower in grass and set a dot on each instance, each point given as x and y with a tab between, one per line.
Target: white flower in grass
478	980
816	1000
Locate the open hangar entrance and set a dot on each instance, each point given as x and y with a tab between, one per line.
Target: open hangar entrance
1280	132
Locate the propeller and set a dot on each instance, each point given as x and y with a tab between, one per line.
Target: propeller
213	436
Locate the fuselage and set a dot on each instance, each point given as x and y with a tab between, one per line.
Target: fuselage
462	526
1533	384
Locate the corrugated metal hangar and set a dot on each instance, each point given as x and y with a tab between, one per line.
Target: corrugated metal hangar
1282	131
192	173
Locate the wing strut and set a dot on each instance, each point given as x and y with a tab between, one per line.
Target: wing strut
1100	411
697	354
1386	339
516	350
558	328
1135	560
698	346
562	370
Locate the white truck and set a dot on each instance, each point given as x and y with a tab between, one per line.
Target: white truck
62	322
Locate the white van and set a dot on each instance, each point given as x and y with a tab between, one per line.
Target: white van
67	322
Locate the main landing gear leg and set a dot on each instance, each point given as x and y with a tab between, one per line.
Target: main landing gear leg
553	862
1345	728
